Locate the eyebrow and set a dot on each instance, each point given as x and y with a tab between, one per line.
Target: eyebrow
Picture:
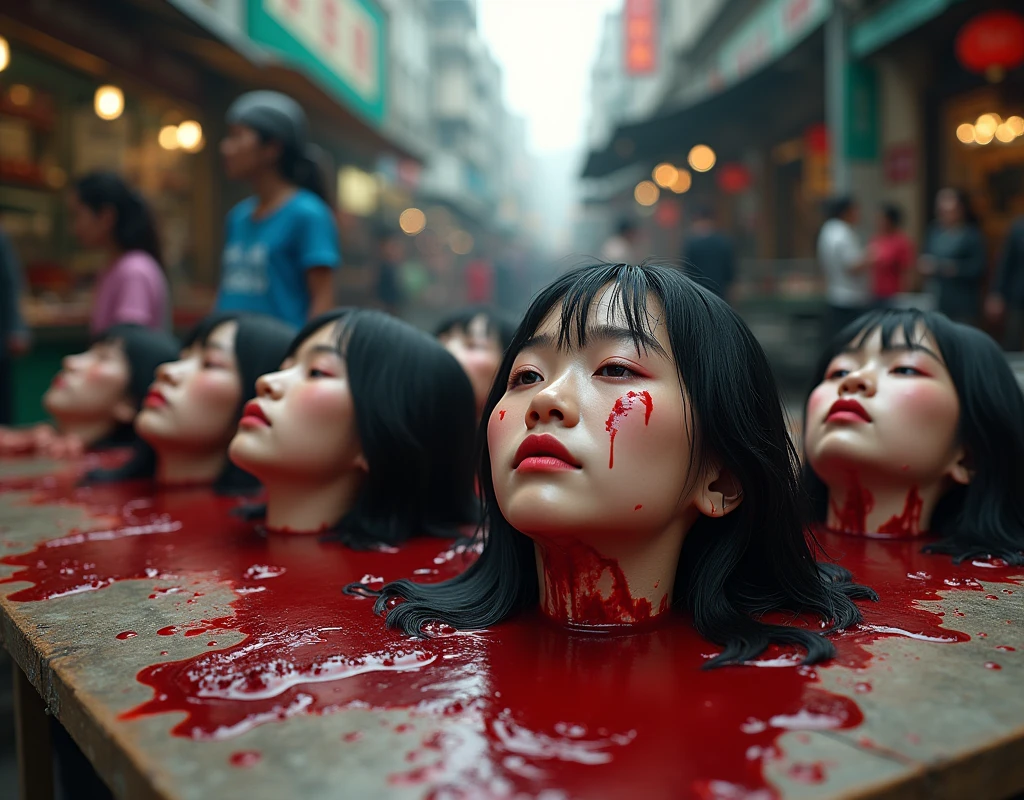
601	334
321	349
902	348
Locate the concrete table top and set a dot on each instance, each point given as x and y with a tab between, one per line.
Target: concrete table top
935	673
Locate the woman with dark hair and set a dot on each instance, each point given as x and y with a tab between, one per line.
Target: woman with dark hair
637	459
193	406
917	428
953	257
95	397
477	336
281	245
108	215
366	432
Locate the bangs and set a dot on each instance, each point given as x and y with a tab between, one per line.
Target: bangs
912	323
344	321
626	288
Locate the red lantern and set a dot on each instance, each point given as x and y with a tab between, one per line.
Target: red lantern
734	178
992	42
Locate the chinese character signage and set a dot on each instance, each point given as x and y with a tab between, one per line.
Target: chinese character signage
640	24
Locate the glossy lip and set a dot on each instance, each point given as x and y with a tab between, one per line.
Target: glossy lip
847	410
154	399
543	453
253	416
59	381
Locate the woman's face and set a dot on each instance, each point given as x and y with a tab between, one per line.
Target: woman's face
302	423
593	442
244	153
92	386
479	354
193	402
92	229
885	415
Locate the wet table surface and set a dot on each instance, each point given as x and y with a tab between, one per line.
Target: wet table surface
191	657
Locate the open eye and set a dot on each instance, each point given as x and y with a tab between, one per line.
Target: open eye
318	373
524	377
836	374
615	371
905	370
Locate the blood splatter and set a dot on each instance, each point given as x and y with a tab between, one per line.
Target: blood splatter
126	635
501	414
246	758
622	407
637	508
170	630
908	523
1006	648
807	773
992	665
853	516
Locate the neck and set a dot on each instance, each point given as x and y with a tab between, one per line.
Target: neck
884	507
624	584
301	507
91	432
175	467
271	189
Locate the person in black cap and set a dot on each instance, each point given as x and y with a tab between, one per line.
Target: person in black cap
281	245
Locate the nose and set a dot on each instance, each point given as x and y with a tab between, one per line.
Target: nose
556	402
271	385
861	381
70	363
169	373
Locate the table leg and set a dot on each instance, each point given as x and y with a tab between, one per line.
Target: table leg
32	728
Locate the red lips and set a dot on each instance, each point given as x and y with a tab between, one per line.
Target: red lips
58	381
845	409
154	399
253	416
543	453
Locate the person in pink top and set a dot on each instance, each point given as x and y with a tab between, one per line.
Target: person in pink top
108	215
892	254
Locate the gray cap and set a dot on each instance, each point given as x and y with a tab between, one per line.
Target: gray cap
273	114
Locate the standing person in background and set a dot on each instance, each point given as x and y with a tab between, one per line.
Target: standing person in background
1005	302
389	263
108	215
953	257
14	337
620	248
845	265
709	255
479	281
891	253
281	245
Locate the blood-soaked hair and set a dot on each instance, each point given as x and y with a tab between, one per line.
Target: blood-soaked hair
733	568
985	517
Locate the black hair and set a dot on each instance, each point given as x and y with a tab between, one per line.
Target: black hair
261	344
299	167
134	229
985	517
836	207
733	569
499	325
964	199
416	416
144	350
893	214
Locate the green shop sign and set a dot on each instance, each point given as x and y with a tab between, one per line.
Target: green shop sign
341	44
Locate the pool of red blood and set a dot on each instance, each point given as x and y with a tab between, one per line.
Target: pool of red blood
525	706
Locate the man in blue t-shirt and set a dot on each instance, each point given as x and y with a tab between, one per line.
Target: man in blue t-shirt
281	245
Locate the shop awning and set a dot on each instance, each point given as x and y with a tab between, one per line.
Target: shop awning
892	21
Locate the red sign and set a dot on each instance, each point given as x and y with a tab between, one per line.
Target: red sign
640	24
899	161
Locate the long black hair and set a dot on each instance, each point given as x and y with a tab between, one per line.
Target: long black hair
135	228
985	517
144	350
278	118
416	416
732	569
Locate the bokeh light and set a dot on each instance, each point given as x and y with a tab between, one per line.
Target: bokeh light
108	102
412	221
190	136
1005	134
646	193
665	175
683	182
985	126
701	158
965	133
1016	125
461	242
5	54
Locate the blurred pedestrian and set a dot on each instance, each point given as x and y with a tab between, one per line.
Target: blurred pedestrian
845	265
709	254
389	264
1005	302
953	257
109	215
281	245
14	337
621	248
891	254
480	281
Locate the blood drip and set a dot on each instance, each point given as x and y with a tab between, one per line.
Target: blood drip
501	414
126	635
909	522
622	407
538	705
853	516
246	758
573	572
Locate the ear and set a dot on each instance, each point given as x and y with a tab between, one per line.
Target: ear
961	470
719	493
124	411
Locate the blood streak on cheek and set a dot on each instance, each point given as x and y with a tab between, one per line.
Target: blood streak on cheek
622	407
501	414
